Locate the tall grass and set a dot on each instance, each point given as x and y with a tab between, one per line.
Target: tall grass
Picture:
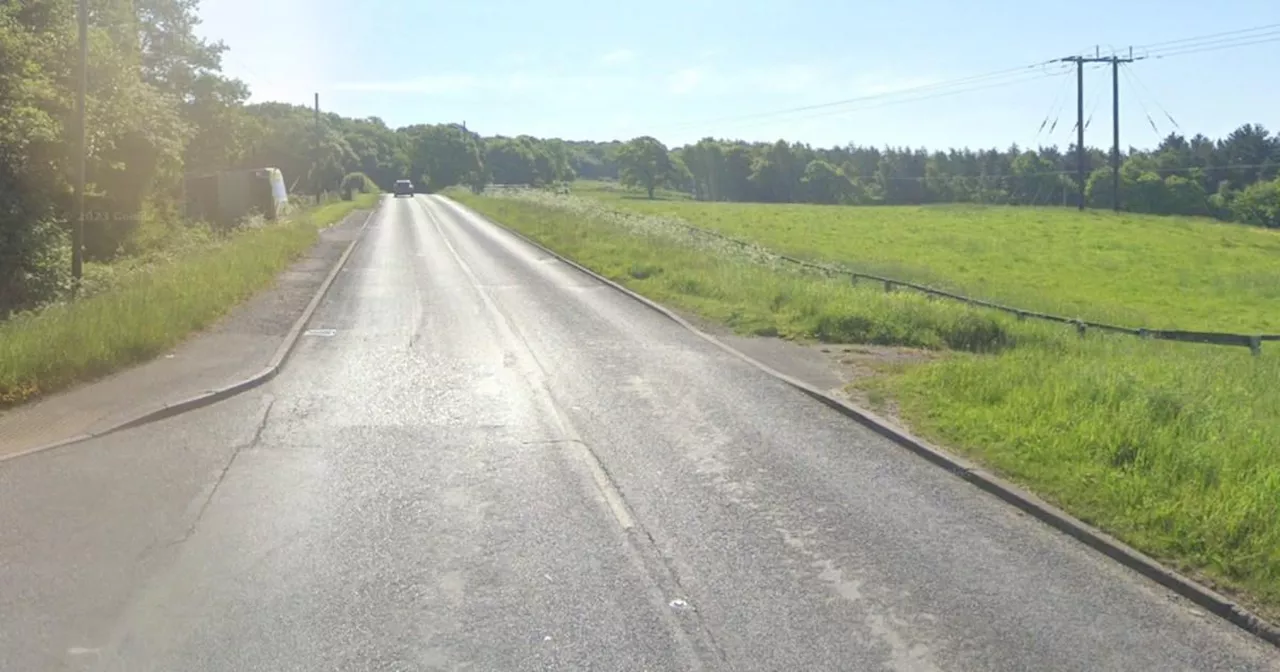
1130	269
151	306
1174	448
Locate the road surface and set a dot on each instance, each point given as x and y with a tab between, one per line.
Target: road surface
493	462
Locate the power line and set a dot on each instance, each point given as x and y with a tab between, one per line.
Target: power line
1216	47
1055	109
1200	38
1156	50
995	75
1135	79
885	103
1155	100
1213	42
1141	104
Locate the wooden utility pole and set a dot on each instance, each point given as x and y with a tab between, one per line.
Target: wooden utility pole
77	224
1080	129
315	161
1115	116
1115	62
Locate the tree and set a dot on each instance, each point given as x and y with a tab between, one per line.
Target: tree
1253	153
285	137
509	161
179	64
33	158
376	151
1258	204
558	164
594	160
735	184
705	163
645	163
824	183
219	126
775	173
1036	180
444	155
681	177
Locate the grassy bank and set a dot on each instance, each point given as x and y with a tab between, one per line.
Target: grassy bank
144	307
1173	448
1130	269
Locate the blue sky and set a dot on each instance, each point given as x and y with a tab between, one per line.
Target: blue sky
683	70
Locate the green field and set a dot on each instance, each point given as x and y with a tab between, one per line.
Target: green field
1132	270
142	308
1174	448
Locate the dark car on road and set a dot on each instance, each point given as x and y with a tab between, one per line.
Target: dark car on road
404	188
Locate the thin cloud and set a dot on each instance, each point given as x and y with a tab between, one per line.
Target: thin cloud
618	57
520	58
786	79
704	80
685	81
701	80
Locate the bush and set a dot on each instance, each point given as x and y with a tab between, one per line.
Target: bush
34	264
1258	204
358	182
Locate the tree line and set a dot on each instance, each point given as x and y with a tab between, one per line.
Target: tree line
159	109
1234	178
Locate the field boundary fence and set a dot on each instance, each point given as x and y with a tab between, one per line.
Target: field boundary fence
1252	341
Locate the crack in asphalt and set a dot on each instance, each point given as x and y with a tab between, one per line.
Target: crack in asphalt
222	476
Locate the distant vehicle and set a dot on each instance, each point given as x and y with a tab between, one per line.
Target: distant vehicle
404	188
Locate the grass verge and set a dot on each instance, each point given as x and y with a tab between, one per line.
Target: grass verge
1173	448
151	307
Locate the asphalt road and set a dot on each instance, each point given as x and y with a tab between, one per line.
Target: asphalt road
496	463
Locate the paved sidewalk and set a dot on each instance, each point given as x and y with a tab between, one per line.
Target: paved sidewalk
237	347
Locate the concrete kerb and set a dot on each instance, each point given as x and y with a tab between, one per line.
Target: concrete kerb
273	367
1201	595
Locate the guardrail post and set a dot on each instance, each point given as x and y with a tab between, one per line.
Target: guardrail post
1255	345
1022	317
1081	328
853	279
888	286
